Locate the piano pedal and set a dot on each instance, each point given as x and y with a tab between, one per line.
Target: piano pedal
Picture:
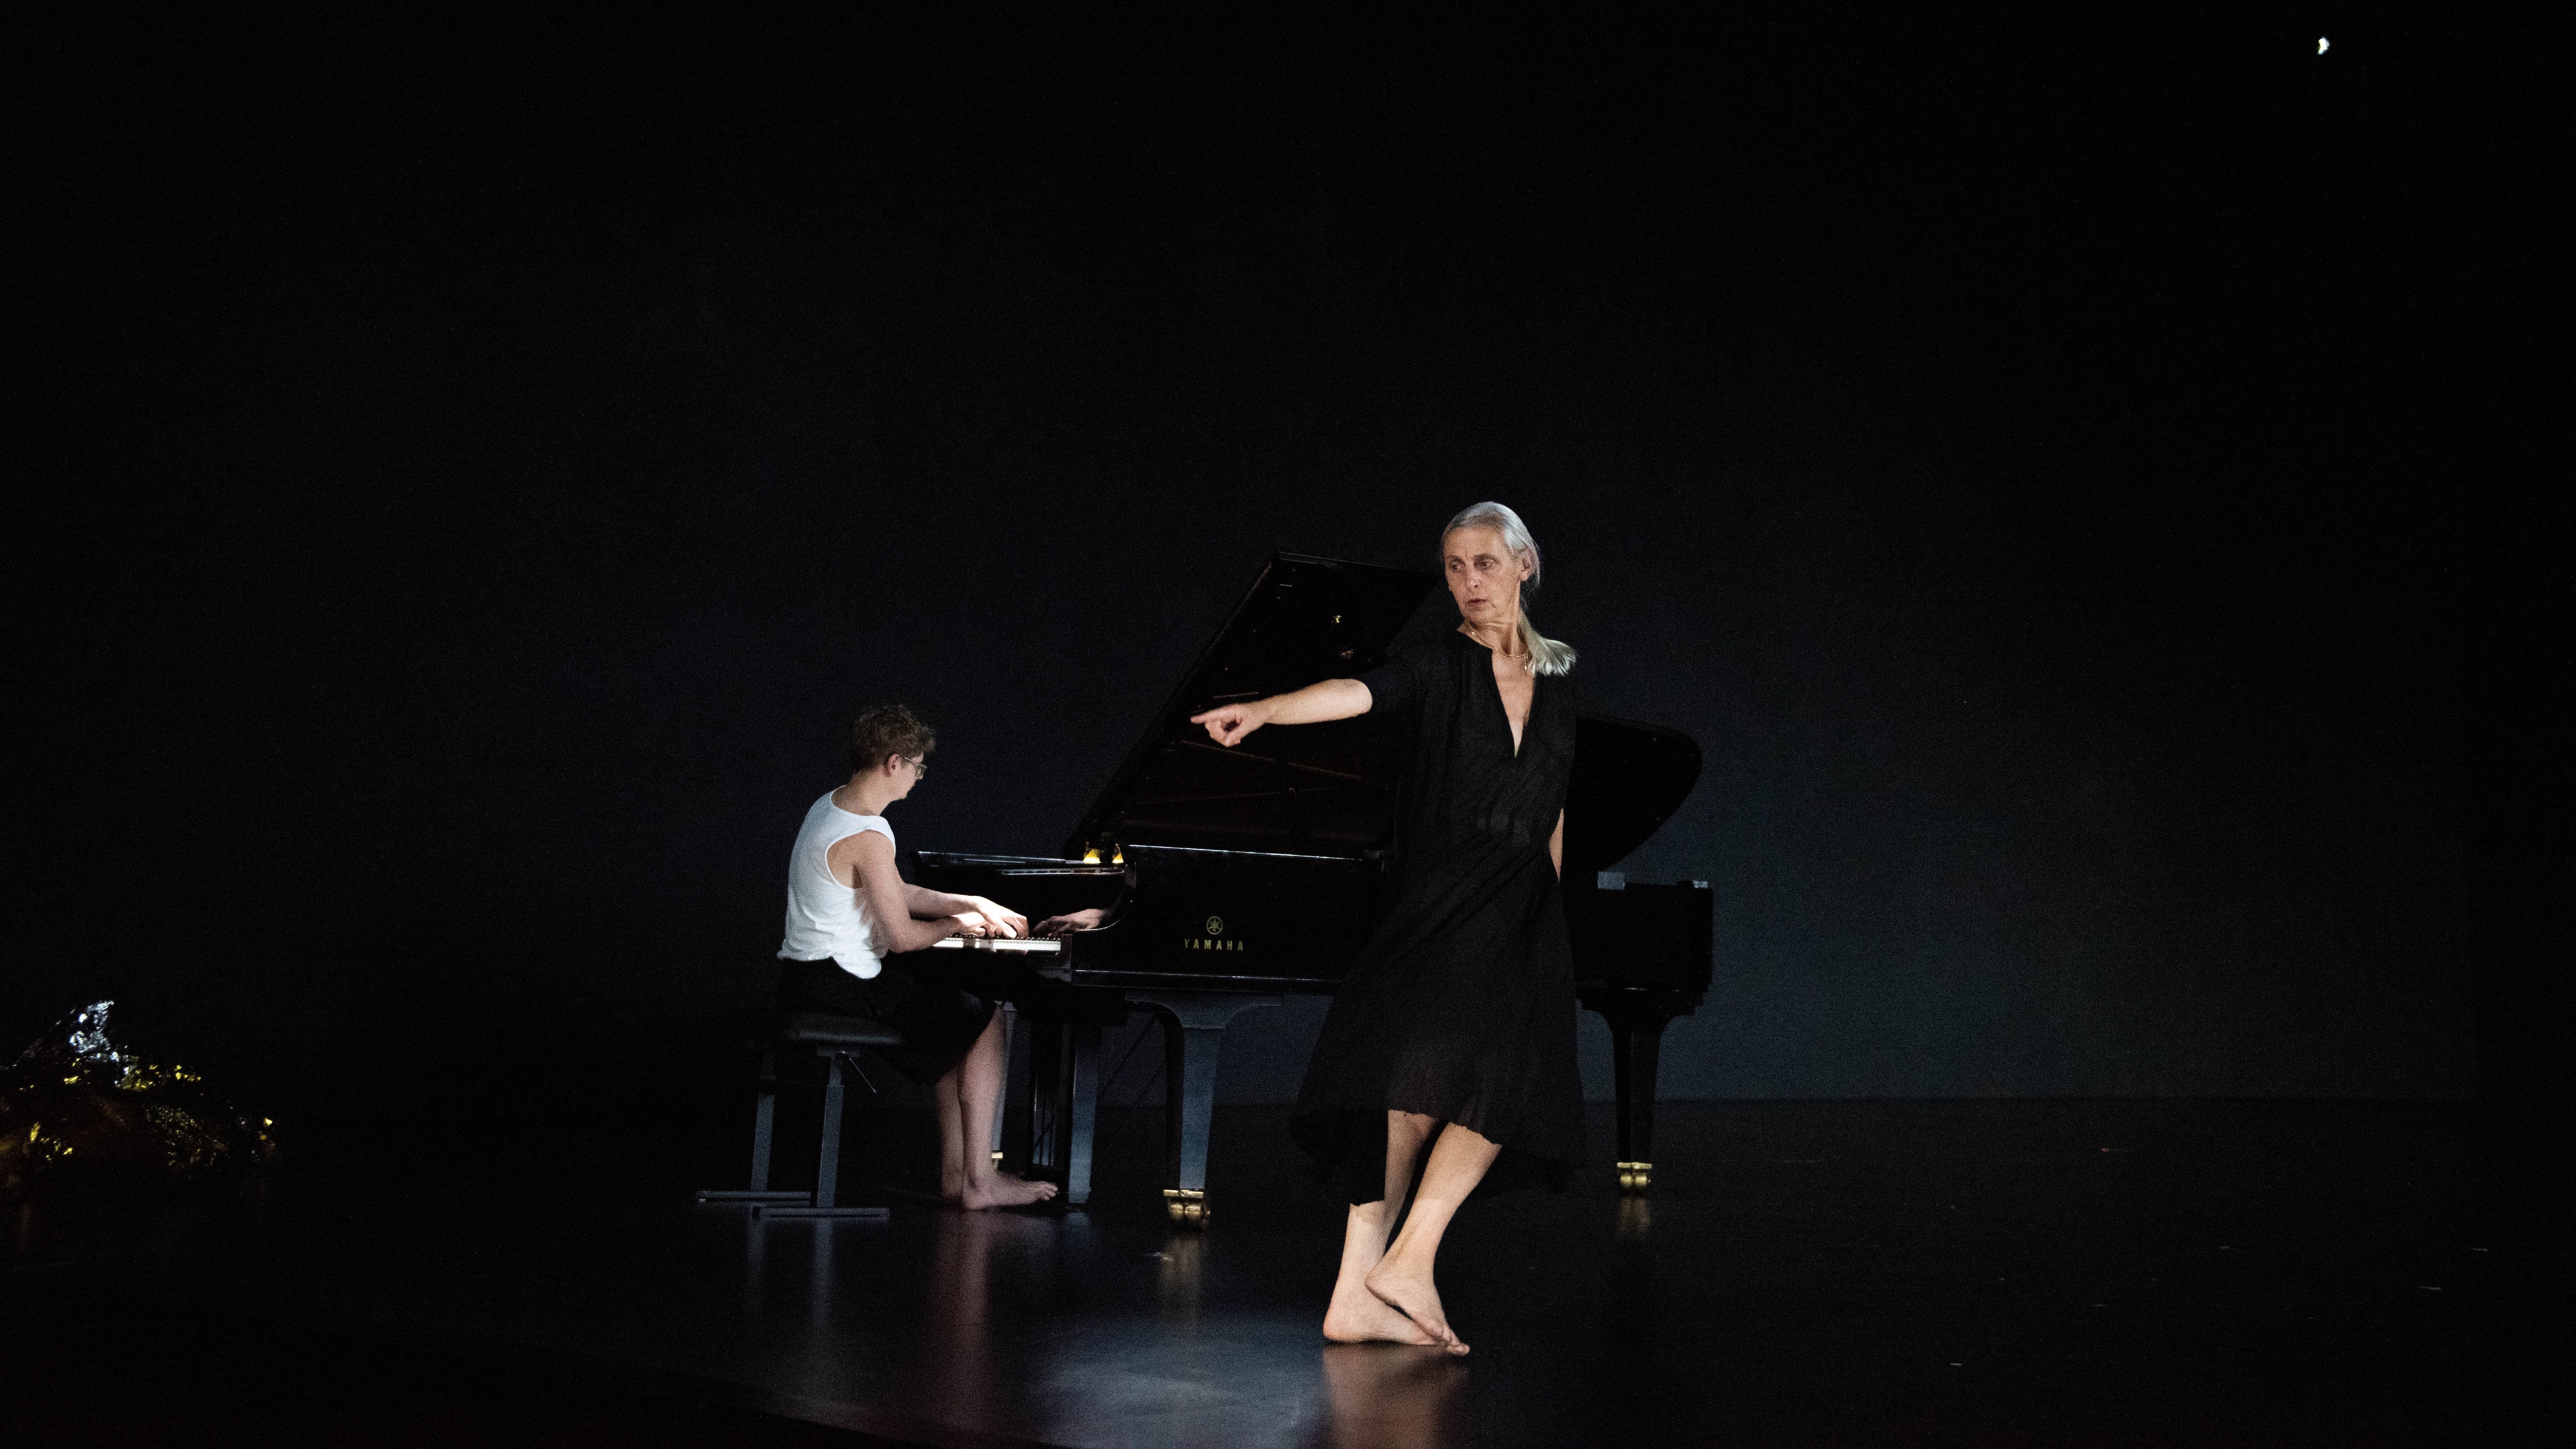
1187	1206
1636	1178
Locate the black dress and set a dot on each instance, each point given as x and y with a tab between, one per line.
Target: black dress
1462	1005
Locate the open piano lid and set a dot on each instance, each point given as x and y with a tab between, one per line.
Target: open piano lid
1629	778
1323	789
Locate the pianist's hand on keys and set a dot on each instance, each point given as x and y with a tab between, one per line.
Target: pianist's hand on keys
987	918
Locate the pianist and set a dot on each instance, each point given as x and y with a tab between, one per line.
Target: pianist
1454	1026
849	911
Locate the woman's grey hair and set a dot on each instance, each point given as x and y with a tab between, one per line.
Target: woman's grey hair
1546	656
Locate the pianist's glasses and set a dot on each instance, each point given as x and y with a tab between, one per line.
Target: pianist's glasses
920	771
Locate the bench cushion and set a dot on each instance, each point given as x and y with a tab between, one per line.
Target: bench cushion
814	1028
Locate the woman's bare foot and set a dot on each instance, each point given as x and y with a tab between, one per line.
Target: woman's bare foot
1413	1296
1002	1190
952	1187
1358	1316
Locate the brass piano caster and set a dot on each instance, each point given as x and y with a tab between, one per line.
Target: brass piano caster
1636	1178
1186	1205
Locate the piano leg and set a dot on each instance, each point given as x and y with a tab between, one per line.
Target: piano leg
1064	1102
1636	1046
1194	1026
1008	1016
1082	1109
1025	1125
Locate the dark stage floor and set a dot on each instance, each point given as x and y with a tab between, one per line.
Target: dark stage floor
2186	1273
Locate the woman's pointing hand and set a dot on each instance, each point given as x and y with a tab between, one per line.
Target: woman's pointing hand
1227	724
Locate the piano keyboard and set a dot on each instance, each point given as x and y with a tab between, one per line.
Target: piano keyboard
1010	944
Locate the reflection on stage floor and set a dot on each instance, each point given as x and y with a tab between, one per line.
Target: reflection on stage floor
2150	1273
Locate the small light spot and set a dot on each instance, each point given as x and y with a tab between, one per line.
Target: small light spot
2429	1288
2322	43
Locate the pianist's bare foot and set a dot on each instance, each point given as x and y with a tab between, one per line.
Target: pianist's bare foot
1002	1190
952	1187
1412	1295
1358	1316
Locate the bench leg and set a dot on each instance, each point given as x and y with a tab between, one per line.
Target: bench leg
764	1120
827	1163
827	1166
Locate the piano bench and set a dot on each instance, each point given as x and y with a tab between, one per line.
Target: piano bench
827	1033
832	1038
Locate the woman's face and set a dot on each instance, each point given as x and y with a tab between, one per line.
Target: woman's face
1483	576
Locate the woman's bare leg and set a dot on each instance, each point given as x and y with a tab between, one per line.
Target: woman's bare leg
1403	1277
966	1138
1357	1315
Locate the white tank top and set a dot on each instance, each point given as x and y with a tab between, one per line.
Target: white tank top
825	917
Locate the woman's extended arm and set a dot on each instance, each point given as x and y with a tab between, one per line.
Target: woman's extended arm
1556	845
1227	724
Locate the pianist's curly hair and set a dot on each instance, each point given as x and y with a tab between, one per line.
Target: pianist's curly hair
881	730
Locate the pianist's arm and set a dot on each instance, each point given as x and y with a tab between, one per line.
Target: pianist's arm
895	927
1227	724
930	905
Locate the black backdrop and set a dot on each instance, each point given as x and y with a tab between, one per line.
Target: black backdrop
474	466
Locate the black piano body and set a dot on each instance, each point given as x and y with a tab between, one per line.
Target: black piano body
1236	877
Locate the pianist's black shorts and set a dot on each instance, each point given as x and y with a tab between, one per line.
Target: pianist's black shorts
939	1022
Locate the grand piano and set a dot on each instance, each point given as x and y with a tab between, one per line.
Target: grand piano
1235	877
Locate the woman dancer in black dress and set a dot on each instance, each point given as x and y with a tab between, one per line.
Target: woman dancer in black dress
1458	1017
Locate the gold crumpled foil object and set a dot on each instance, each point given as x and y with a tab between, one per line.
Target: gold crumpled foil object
75	1107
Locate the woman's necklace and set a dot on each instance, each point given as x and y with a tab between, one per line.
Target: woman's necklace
1511	636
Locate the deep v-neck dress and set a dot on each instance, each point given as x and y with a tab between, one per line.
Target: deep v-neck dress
1462	1004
